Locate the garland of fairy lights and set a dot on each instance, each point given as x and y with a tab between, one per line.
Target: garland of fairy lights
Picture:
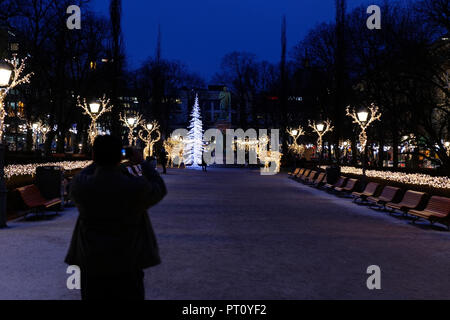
400	177
30	169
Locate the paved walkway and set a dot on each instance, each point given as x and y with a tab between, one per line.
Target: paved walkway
233	234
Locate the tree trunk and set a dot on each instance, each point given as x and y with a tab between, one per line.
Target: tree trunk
395	144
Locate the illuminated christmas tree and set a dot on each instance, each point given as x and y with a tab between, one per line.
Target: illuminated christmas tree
194	145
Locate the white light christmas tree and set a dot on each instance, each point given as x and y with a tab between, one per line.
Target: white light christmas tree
194	145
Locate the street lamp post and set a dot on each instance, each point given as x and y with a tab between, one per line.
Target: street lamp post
95	109
364	118
295	134
131	123
10	77
321	128
146	136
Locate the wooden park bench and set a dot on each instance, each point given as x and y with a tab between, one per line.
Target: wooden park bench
340	184
311	177
319	180
291	174
410	201
388	195
34	200
349	187
437	210
304	175
299	174
369	191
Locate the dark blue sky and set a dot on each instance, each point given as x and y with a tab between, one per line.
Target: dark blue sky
201	32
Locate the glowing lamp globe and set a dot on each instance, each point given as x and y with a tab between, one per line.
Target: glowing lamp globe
131	121
5	74
320	127
35	126
150	126
363	115
447	144
294	132
95	107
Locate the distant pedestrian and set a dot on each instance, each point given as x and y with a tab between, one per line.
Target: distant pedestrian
204	165
113	241
163	159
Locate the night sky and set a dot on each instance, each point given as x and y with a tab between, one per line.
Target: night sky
200	32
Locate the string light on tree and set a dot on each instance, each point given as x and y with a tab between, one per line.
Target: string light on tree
295	134
10	77
39	130
321	128
94	110
364	118
146	136
194	145
131	122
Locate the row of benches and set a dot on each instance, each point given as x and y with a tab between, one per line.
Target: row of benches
416	204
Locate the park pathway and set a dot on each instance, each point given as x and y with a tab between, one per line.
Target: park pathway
233	234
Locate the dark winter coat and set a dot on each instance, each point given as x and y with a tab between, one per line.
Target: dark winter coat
113	233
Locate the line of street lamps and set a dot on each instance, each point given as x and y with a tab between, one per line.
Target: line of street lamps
364	117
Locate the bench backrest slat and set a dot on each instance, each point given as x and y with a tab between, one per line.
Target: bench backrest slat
439	205
320	178
389	193
351	183
371	188
312	174
412	198
31	196
307	172
341	182
300	174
